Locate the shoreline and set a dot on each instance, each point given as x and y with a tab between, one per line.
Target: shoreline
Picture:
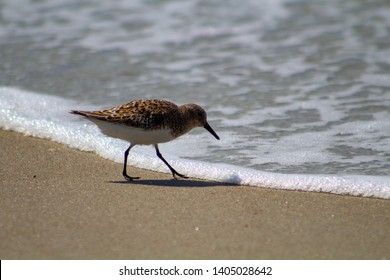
61	203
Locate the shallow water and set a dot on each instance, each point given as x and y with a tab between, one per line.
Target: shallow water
298	87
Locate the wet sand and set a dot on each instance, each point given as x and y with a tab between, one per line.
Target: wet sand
61	203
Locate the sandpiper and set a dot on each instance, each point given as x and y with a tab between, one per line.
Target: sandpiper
148	122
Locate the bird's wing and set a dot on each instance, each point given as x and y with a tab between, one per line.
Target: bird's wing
144	114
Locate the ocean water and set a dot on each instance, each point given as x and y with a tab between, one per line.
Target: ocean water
298	91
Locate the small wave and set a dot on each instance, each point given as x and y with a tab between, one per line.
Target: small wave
47	117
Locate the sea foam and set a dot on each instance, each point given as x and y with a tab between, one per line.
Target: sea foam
47	117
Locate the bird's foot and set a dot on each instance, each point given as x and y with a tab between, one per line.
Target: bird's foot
178	174
128	178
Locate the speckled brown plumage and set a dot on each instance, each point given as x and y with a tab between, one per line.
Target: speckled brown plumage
152	114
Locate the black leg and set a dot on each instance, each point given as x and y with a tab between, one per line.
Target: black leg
174	172
124	172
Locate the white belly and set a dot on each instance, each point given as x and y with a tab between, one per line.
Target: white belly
133	135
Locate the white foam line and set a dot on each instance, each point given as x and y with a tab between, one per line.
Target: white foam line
47	117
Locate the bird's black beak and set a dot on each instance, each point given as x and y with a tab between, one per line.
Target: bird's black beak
209	129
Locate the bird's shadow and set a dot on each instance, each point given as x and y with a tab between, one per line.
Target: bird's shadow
188	183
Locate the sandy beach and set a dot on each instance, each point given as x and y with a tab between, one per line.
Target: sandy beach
61	203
